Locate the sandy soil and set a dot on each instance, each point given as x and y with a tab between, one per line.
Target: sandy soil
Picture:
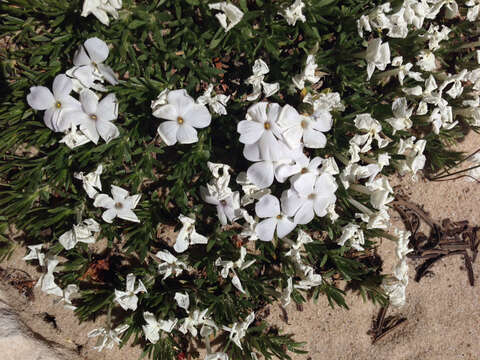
442	310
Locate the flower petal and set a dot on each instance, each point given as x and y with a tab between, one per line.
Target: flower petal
97	49
85	75
108	73
81	57
89	128
180	99
250	131
168	132
127	214
197	116
107	109
167	112
104	201
89	101
305	213
186	134
284	227
266	228
268	206
251	152
261	174
118	193
40	98
62	86
109	215
107	130
304	184
314	139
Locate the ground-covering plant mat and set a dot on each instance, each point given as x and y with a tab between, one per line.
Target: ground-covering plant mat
176	167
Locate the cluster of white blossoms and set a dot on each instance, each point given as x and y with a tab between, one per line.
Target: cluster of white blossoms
89	117
101	9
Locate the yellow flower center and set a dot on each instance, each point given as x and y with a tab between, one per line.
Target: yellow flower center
93	117
312	196
180	120
118	205
58	104
279	216
267	125
304	171
304	124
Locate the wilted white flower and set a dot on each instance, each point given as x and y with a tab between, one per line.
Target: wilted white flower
83	232
260	69
35	253
228	206
74	138
249	226
285	299
451	9
216	356
251	191
325	101
58	106
153	327
473	9
239	330
120	205
89	71
183	115
240	264
404	70
294	13
128	299
91	181
101	9
413	152
354	234
427	61
188	235
195	319
373	128
308	74
70	290
95	118
170	264
47	280
269	207
231	15
434	36
182	300
217	103
377	56
401	115
107	337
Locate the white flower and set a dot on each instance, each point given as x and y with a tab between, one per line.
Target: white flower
231	14
374	220
91	181
188	235
294	13
311	196
451	9
153	327
308	74
128	299
434	36
95	118
240	264
401	115
239	330
427	60
403	238
195	319
101	9
363	24
70	290
89	67
182	300
269	207
47	280
260	69
285	299
74	138
373	128
414	91
457	89
377	56
326	101
413	152
473	9
380	191
306	168
35	253
404	70
169	265
249	226
309	278
216	356
216	103
121	205
228	206
260	133
353	233
58	106
184	116
251	191
107	337
220	180
159	101
295	127
83	232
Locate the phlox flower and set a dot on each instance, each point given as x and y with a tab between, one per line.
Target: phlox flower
412	149
377	56
128	299
268	207
404	70
183	115
153	327
46	282
101	9
231	15
324	102
451	9
120	205
107	337
67	293
84	232
74	138
182	300
58	105
373	128
426	61
188	235
308	74
217	103
401	115
260	69
95	118
354	234
35	253
473	9
285	299
91	181
251	191
89	71
194	319
169	264
228	205
240	264
434	36
293	13
239	330
309	197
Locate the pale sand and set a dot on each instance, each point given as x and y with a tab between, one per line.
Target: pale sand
442	311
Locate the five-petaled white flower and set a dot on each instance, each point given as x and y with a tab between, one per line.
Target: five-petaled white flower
195	318
121	205
239	330
58	106
240	264
153	327
184	116
47	280
377	56
91	181
170	264
294	13
401	115
188	235
227	203
269	207
216	103
107	337
101	9
83	232
128	299
231	15
89	67
260	69
95	118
